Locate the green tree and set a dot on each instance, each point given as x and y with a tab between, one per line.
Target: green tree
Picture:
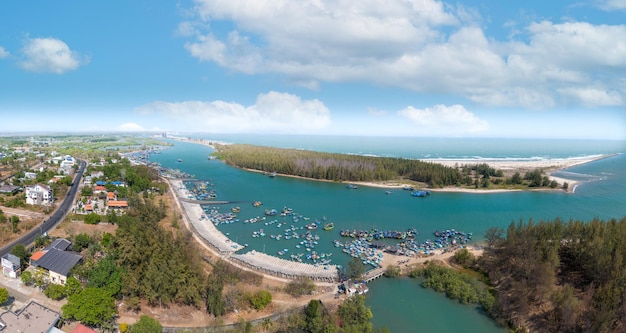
55	291
355	315
92	218
91	306
313	316
27	278
19	250
146	324
355	269
72	286
4	295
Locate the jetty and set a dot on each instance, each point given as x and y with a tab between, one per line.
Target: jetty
373	274
262	262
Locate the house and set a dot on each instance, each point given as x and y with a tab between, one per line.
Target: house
99	189
117	204
11	265
39	195
87	181
111	196
33	318
97	174
9	189
30	175
354	287
56	260
80	328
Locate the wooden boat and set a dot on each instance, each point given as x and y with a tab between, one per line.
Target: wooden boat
329	226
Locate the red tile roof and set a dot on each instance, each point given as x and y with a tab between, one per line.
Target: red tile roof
100	188
37	255
83	329
117	203
88	207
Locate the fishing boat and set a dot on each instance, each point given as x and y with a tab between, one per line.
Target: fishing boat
273	174
311	226
257	203
352	187
420	193
235	209
180	160
329	226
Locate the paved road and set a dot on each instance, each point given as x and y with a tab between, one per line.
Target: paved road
55	219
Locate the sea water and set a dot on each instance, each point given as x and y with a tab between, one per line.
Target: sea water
602	194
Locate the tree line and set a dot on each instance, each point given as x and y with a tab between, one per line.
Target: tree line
559	276
336	167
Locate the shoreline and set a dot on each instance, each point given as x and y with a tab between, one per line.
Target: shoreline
550	166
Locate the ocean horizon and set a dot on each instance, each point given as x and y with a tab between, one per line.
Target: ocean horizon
601	194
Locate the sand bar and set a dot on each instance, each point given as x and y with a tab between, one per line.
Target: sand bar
552	164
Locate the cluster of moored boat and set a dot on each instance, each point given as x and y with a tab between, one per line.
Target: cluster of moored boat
200	190
214	215
379	234
287	229
362	249
444	240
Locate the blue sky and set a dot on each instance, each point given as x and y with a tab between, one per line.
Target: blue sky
472	68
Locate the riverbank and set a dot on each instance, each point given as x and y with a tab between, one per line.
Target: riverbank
508	166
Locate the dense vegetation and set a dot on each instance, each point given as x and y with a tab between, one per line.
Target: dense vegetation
352	316
456	285
337	167
345	167
559	277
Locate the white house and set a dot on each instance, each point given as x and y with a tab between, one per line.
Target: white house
39	195
11	265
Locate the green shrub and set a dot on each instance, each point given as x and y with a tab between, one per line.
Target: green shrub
260	299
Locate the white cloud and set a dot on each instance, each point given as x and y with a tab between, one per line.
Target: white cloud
273	112
422	45
610	5
50	55
442	119
3	53
131	127
593	97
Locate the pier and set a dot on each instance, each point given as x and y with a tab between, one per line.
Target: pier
373	274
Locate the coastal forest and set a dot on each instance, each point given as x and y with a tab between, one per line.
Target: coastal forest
335	167
360	168
558	276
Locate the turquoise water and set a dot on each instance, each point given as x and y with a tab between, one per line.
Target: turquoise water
602	194
403	305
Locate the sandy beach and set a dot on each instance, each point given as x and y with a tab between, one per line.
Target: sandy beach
508	166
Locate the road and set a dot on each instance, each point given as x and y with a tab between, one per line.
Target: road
54	219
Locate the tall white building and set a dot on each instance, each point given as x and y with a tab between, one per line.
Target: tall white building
39	195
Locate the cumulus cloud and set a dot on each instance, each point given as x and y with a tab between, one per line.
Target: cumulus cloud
422	45
453	120
131	127
50	55
273	112
3	53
